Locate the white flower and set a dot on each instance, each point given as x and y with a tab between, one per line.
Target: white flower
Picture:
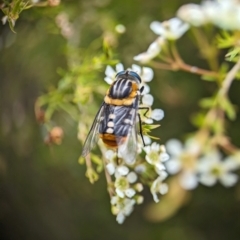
182	159
171	29
158	187
146	74
123	180
224	14
124	209
122	188
180	155
153	50
175	149
111	73
154	156
211	168
192	14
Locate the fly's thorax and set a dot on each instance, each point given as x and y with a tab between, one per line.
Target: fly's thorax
122	92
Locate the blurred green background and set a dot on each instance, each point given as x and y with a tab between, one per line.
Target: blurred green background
44	193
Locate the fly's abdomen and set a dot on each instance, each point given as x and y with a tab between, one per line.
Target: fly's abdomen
116	125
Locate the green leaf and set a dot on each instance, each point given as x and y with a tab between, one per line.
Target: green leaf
198	119
96	159
228	107
233	54
208	78
225	40
81	160
207	102
92	175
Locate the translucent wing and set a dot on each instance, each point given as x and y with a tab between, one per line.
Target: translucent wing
93	135
128	150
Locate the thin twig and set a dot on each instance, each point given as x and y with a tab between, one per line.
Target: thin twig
229	78
199	71
180	64
107	175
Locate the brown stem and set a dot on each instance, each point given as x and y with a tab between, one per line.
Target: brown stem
180	64
88	161
107	175
199	71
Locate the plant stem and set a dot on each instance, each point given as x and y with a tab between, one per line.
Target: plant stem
229	78
180	64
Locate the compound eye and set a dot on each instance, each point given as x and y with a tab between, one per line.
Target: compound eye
120	73
134	74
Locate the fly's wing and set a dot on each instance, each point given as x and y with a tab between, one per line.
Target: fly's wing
128	150
93	135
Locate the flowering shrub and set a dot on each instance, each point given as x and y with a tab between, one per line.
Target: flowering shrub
206	157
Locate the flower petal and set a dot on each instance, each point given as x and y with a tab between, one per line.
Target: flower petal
174	147
108	80
147	99
147	74
132	177
123	170
173	166
110	168
157	27
147	140
136	68
120	218
119	67
110	72
228	179
130	192
157	114
146	89
155	147
163	189
188	180
207	179
120	193
164	156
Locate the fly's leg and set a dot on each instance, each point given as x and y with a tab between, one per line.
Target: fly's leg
140	129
